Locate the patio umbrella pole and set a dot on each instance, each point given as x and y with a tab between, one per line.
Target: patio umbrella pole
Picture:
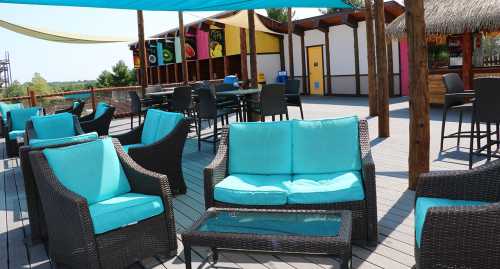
418	160
370	44
142	52
383	78
290	43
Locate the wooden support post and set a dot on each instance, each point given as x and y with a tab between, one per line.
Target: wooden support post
182	36
253	48
142	52
93	98
158	73
304	64
467	75
370	45
418	161
357	75
32	98
198	75
243	56
390	68
176	72
282	53
167	75
226	66
290	43
383	79
329	90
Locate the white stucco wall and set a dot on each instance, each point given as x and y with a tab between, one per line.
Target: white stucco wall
269	64
297	57
342	50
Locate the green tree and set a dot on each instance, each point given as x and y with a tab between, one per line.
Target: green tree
105	79
15	89
119	76
39	85
353	3
279	14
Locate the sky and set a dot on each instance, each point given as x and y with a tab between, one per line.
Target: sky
69	62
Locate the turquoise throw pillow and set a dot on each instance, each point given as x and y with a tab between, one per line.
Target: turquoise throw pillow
159	124
326	146
260	148
64	140
19	117
92	170
54	126
100	109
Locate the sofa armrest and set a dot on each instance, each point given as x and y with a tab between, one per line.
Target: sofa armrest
216	171
479	184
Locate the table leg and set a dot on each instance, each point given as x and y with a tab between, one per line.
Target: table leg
215	255
187	255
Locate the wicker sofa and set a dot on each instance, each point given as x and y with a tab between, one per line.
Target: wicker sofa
457	218
110	223
252	176
36	141
98	121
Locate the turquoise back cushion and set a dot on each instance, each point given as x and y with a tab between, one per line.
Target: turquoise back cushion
64	140
4	108
19	117
100	109
54	126
260	148
326	146
158	124
91	170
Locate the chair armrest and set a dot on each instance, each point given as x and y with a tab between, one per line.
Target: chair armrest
88	117
216	171
132	137
479	184
99	125
68	109
452	235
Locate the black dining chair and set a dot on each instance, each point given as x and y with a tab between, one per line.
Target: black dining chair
182	102
208	110
271	102
292	94
453	102
138	106
486	110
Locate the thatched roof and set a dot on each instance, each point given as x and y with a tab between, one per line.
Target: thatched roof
454	17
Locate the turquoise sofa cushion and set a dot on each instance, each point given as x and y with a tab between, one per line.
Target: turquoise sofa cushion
100	109
260	148
19	117
326	146
54	126
64	140
325	188
244	189
4	108
131	146
425	203
96	172
124	210
159	124
13	135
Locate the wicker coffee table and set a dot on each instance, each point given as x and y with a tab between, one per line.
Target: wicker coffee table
282	231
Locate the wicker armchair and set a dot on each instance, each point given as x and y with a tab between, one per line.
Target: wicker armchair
16	124
76	108
461	236
72	240
364	213
163	156
100	124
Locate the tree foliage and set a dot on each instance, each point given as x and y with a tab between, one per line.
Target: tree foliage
15	89
354	3
119	76
279	14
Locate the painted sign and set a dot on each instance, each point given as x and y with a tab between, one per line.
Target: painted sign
217	43
190	47
137	59
151	52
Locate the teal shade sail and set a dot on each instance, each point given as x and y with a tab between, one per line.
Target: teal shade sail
186	5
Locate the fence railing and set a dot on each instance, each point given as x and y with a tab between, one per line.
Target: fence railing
115	96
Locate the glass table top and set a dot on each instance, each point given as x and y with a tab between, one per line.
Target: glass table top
300	224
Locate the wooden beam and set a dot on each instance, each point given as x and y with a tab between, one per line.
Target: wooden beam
142	52
158	73
418	160
282	53
467	75
182	35
370	48
328	65
390	68
357	75
198	70
243	55
176	72
383	79
290	43
253	48
226	66
304	64
348	20
167	75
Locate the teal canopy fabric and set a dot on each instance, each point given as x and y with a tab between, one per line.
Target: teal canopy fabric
186	5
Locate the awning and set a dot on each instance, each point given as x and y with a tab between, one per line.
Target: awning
240	19
58	36
186	5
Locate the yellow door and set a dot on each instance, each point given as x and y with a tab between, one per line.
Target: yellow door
315	65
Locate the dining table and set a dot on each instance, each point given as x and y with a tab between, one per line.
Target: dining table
243	95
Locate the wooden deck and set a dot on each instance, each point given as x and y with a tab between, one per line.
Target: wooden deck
395	202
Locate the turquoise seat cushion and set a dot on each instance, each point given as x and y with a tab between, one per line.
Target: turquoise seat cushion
100	109
425	203
19	117
13	135
159	124
124	210
4	108
64	140
326	146
260	148
244	189
54	126
325	188
131	146
96	172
